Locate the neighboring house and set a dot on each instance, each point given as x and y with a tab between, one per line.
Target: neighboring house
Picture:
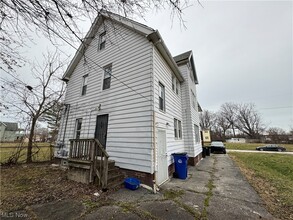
9	132
237	140
125	89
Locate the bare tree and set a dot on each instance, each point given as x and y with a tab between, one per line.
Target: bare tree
222	124
248	120
59	19
207	119
228	112
32	101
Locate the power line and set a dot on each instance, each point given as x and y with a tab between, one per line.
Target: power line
77	50
280	107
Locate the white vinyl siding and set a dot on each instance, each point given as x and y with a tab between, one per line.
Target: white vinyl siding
84	84
102	40
191	117
128	101
107	76
165	120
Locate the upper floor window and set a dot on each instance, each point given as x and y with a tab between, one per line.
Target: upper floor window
193	99
102	40
78	124
107	77
177	129
84	84
177	87
161	97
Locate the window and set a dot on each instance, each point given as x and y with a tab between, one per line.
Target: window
161	97
177	129
102	40
196	132
84	84
78	128
173	83
107	77
193	99
177	87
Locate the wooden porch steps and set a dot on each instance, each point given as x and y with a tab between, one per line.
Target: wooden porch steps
115	177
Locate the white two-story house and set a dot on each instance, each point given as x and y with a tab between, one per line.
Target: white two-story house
125	89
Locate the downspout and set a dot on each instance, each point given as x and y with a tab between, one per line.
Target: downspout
155	153
153	121
67	111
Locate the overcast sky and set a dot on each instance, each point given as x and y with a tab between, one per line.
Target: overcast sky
242	51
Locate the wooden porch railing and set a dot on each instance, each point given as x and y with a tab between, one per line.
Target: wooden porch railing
92	151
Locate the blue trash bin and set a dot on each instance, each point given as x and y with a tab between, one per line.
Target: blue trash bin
181	165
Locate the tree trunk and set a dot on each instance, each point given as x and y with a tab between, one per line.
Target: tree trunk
30	142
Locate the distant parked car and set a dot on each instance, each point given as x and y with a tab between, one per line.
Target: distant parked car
271	147
218	146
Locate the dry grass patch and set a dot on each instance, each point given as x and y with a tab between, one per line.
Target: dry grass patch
25	185
272	177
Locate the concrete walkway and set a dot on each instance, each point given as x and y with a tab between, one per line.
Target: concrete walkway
215	189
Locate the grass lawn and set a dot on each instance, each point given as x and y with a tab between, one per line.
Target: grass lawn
272	177
8	149
252	146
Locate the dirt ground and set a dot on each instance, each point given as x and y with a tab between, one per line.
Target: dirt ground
25	185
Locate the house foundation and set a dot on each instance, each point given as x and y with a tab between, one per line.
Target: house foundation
145	178
192	161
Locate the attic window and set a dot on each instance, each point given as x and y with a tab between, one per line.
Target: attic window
102	40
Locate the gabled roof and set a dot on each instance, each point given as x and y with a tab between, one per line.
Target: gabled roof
151	34
185	58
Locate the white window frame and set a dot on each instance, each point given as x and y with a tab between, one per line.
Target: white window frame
162	97
177	87
77	130
177	129
84	84
107	76
196	133
193	99
102	40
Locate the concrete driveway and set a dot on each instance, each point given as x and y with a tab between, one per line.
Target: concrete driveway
214	189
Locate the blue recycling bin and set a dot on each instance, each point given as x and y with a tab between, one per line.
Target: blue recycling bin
181	165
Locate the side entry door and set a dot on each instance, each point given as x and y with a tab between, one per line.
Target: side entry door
101	129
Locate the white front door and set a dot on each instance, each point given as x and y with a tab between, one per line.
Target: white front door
162	173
